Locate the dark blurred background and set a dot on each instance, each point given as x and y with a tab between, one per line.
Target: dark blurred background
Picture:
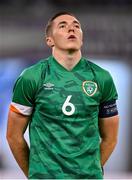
107	27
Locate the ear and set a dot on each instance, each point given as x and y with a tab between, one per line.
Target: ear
49	41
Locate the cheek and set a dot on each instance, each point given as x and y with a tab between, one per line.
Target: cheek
82	39
81	36
58	37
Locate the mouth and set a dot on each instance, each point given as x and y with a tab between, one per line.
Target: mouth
72	37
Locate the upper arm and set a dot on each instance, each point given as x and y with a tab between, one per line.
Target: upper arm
109	127
17	124
108	111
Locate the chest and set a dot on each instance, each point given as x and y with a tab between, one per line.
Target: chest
68	94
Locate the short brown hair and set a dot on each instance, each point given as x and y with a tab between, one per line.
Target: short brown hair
50	22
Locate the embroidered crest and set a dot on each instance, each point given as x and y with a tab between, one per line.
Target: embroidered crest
89	87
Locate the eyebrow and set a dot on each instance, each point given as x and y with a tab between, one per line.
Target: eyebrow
74	22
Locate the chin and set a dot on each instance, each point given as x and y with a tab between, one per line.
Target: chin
73	48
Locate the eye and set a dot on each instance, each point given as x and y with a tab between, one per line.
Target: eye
77	26
62	26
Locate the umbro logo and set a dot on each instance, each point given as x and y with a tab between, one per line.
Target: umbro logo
48	86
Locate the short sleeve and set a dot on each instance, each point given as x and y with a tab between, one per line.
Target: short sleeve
23	95
109	91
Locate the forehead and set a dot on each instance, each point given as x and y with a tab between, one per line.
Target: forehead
66	18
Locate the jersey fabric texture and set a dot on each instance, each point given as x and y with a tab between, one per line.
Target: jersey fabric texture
64	109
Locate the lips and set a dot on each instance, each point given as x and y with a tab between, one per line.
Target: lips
72	37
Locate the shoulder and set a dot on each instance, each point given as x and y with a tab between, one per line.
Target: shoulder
34	71
97	68
100	72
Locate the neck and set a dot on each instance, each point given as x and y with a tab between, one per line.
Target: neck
67	59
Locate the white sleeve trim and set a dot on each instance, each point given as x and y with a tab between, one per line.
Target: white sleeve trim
25	110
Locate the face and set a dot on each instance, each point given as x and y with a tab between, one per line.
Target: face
66	33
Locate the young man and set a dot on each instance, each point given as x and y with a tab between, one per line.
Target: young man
70	106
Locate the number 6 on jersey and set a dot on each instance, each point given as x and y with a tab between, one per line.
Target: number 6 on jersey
66	104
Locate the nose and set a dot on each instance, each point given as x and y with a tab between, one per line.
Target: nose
71	28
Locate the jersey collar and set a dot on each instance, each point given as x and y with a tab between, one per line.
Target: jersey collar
59	67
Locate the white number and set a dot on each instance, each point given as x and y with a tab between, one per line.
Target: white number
66	104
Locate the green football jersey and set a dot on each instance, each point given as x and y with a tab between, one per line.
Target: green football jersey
64	108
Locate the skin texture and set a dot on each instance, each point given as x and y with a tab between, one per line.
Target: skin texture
16	127
109	134
65	50
68	53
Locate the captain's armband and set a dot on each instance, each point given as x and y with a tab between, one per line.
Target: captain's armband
108	109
